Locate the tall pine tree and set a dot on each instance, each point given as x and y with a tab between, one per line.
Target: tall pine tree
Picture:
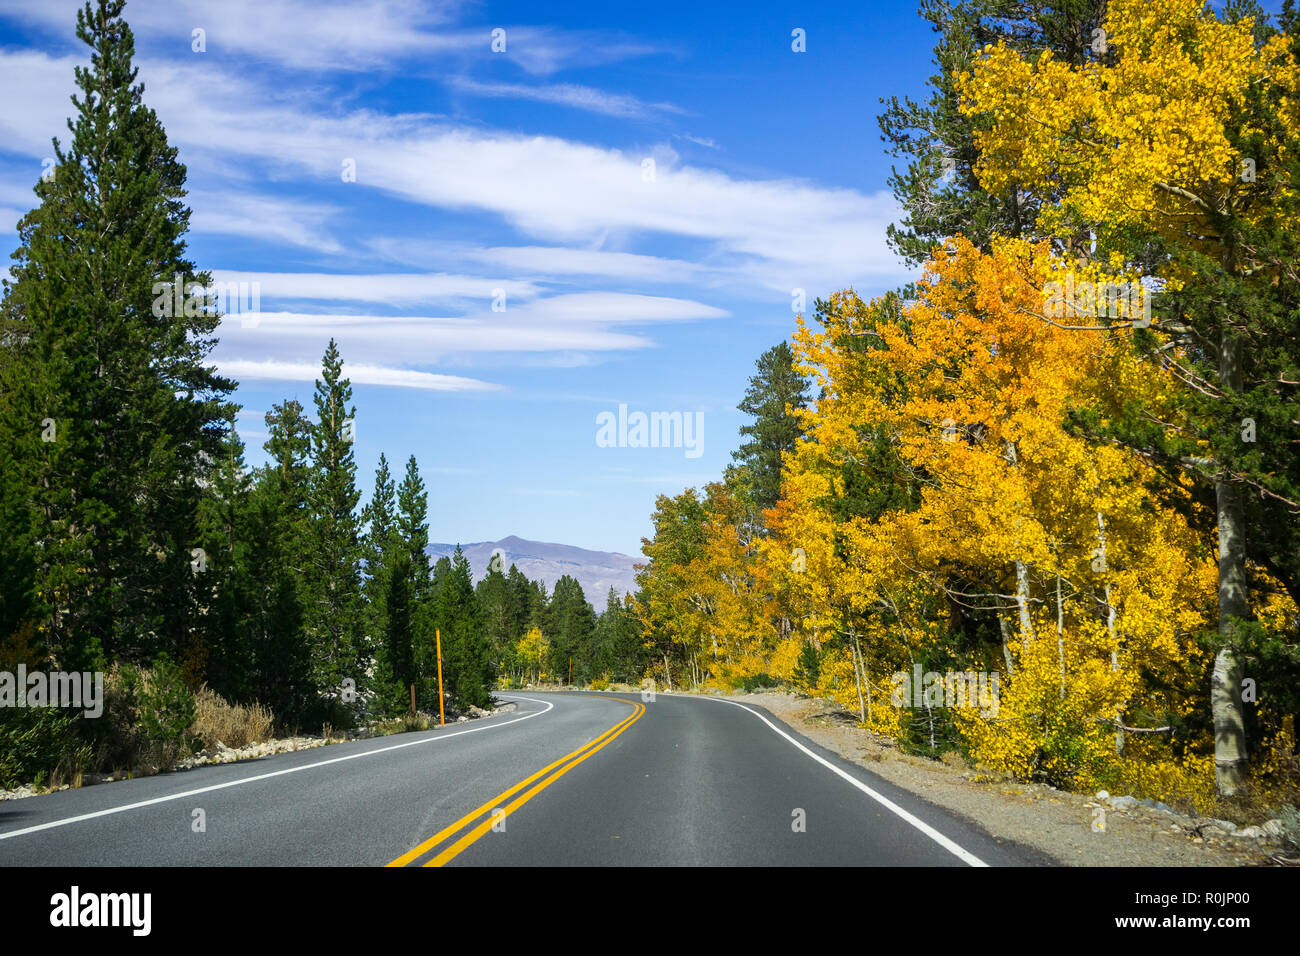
111	415
334	612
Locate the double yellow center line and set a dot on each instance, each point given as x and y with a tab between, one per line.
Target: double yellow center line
497	809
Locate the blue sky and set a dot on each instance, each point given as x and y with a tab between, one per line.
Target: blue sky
523	171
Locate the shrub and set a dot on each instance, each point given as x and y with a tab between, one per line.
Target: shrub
404	724
147	716
166	711
39	744
752	682
1290	817
808	669
235	725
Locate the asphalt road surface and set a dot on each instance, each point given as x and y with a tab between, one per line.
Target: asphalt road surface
565	779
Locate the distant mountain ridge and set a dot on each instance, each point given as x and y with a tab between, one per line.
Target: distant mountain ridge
596	571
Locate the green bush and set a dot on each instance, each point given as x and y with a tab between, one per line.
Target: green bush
39	744
330	712
807	670
167	707
147	713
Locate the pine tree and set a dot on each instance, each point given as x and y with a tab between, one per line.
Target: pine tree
617	641
381	550
467	666
573	625
413	526
938	188
378	546
408	590
101	362
333	617
493	593
219	654
776	388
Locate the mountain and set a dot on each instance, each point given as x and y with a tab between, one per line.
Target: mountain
596	571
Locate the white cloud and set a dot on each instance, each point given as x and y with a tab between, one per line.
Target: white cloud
391	289
769	234
568	94
293	222
603	307
303	34
249	369
422	339
330	35
550	261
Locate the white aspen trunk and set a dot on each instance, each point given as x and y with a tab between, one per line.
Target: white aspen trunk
1022	570
1234	602
857	677
1006	647
1060	631
1022	599
1110	630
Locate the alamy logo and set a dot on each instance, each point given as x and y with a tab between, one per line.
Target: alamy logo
653	430
103	909
192	299
953	689
78	691
1097	300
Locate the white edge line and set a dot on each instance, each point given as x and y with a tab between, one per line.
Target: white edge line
961	853
275	773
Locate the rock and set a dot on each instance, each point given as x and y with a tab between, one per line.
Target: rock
461	719
1103	795
1224	825
1123	803
1274	828
1248	833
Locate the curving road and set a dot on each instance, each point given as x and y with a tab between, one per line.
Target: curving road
565	779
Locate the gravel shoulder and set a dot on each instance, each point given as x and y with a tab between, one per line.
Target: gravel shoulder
1055	822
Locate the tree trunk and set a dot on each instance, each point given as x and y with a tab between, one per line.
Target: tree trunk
1060	631
1234	603
1006	647
1022	569
859	676
1110	630
1022	599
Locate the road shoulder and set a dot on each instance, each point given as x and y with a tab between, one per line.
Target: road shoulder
1050	822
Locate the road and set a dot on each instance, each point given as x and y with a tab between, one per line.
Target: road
564	779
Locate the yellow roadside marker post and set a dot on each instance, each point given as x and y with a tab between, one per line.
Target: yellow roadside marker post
442	718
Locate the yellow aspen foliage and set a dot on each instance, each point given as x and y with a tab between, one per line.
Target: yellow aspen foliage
533	651
703	589
968	392
1141	137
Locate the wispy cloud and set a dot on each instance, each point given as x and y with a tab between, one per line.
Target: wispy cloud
397	289
568	94
292	222
575	323
359	375
352	35
772	234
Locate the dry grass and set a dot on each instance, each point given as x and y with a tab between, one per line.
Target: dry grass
406	723
234	725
